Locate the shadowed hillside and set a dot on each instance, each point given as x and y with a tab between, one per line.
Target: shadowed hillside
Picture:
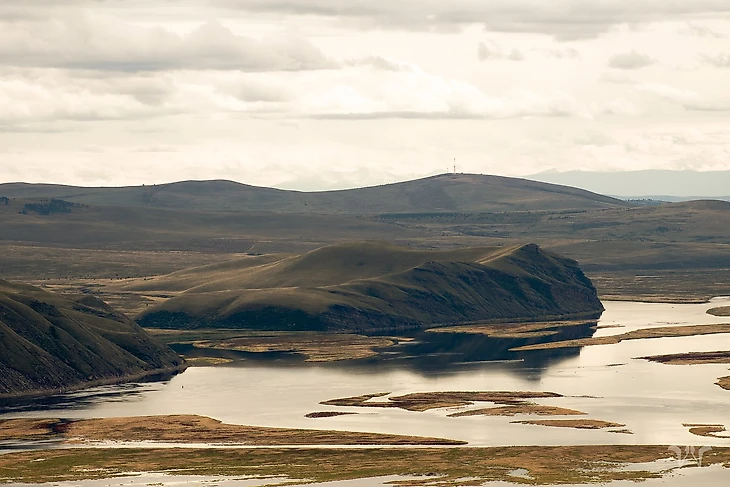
461	192
370	287
49	342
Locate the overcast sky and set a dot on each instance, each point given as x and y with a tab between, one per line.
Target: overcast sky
315	94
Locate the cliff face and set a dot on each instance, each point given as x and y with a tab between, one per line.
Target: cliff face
50	342
368	287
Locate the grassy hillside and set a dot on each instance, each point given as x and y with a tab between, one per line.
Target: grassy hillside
462	192
678	244
369	287
50	342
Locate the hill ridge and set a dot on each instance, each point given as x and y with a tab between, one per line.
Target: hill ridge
50	342
441	193
369	287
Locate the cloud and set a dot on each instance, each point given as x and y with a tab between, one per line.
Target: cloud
421	95
493	51
630	60
689	100
719	61
563	19
380	63
84	40
701	31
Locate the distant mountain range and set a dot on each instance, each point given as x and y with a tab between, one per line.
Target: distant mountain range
651	184
444	193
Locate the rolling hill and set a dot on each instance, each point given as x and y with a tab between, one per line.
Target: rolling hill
50	342
373	287
460	192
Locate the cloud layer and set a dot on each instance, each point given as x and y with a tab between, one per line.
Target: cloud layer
318	94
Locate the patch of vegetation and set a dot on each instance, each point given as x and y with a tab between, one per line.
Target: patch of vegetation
546	465
316	347
707	430
644	333
514	410
692	358
49	207
327	414
200	429
423	401
720	311
583	424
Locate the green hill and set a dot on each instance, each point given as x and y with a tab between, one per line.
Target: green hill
369	287
50	342
461	192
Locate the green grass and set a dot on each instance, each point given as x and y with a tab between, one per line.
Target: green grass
431	467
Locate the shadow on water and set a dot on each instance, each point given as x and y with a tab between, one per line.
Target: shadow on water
430	354
84	398
447	353
426	353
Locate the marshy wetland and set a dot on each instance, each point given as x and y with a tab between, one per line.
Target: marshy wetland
406	396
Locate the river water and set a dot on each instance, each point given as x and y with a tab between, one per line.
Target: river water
605	381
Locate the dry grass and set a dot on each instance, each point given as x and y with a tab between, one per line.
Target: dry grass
708	430
720	311
200	429
527	409
692	358
327	414
29	429
423	401
583	424
317	347
645	333
511	330
433	467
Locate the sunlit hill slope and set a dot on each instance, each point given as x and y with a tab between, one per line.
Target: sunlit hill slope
371	287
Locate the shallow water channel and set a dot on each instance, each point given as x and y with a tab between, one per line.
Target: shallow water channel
605	381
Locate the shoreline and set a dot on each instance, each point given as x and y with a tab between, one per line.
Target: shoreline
11	398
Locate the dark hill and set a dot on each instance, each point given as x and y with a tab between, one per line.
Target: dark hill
50	342
462	192
369	287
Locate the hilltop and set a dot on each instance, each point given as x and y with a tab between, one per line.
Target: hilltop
50	342
369	287
447	192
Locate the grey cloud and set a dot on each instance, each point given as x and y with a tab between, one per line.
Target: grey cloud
720	61
568	53
380	63
702	31
630	60
485	53
564	19
90	42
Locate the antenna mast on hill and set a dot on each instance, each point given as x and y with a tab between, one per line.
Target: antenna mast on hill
454	165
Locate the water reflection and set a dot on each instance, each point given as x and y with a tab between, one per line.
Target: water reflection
428	354
84	398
